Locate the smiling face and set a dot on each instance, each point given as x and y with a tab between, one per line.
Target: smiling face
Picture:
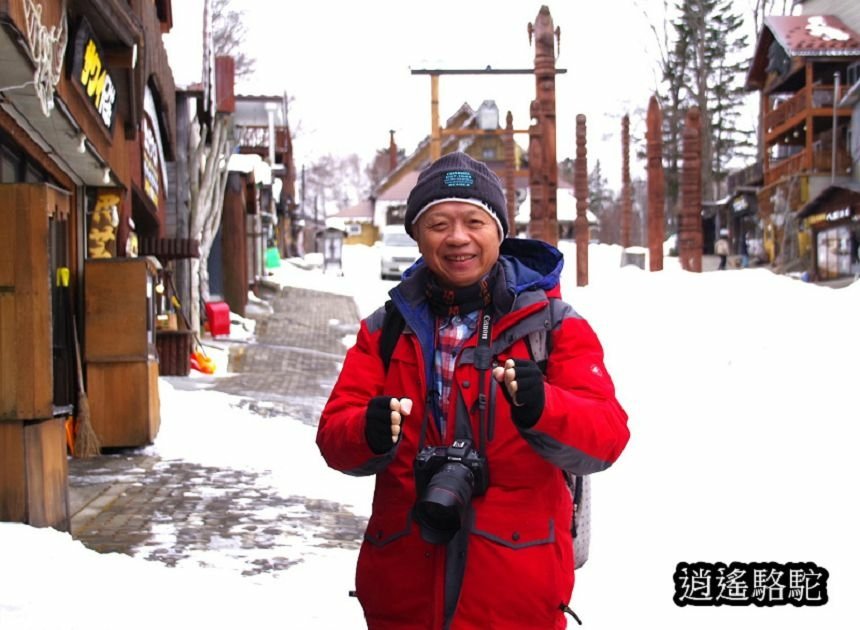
459	242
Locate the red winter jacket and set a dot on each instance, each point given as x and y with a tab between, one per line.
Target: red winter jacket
513	568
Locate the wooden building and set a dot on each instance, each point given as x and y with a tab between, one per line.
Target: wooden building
258	213
86	126
801	67
833	217
475	132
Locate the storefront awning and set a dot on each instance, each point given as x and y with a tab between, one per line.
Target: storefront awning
57	134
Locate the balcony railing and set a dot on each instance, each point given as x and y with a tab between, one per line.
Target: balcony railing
785	167
820	158
256	136
809	97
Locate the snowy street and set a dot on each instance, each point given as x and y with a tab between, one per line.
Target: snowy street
740	387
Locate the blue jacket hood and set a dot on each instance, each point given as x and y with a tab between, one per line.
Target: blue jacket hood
530	264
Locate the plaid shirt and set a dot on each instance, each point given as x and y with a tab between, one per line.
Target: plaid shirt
452	334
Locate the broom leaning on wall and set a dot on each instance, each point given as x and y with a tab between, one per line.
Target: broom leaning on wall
86	442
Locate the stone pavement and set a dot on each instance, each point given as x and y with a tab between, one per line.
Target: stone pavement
133	502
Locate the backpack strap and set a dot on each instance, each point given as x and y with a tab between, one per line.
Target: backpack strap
392	325
540	340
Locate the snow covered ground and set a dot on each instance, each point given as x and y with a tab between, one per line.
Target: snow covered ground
741	391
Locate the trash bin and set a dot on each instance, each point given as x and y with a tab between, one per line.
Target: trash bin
273	258
218	316
635	256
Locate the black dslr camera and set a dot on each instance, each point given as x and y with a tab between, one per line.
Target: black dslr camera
446	479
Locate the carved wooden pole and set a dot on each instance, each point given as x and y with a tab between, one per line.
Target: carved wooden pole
690	228
510	166
626	192
537	185
543	165
656	185
435	129
392	151
580	189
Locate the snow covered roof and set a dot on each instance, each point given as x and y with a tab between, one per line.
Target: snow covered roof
251	163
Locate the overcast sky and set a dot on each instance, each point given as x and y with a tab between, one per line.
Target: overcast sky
347	65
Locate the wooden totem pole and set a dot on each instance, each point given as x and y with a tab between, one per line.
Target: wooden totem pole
510	185
626	188
543	167
656	185
580	189
690	228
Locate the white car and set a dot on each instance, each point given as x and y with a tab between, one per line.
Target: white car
398	252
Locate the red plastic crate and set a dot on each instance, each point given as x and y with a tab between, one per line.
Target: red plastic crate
218	316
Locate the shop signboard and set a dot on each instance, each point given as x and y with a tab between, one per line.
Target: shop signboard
152	152
89	72
150	161
832	216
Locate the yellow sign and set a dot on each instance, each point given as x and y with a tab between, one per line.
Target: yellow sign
88	68
101	238
97	81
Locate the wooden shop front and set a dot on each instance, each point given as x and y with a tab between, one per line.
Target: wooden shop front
70	166
833	218
33	466
122	365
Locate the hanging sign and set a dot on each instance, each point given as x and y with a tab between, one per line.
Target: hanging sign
151	162
89	71
151	152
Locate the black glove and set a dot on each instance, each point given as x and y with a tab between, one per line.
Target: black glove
528	401
377	427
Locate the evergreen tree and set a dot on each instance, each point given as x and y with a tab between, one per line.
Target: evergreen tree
601	205
674	63
706	67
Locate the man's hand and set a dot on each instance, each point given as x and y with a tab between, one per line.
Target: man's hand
384	418
523	387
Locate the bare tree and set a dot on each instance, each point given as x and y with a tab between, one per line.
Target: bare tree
672	65
762	8
380	166
209	146
208	151
334	180
228	36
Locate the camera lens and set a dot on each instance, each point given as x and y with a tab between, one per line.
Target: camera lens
442	508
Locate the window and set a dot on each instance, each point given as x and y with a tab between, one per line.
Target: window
834	252
10	165
853	73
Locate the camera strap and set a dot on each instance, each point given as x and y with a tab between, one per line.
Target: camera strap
483	362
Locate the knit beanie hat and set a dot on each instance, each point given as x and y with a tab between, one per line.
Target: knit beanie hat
457	177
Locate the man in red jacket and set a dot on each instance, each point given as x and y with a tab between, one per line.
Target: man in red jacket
469	438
